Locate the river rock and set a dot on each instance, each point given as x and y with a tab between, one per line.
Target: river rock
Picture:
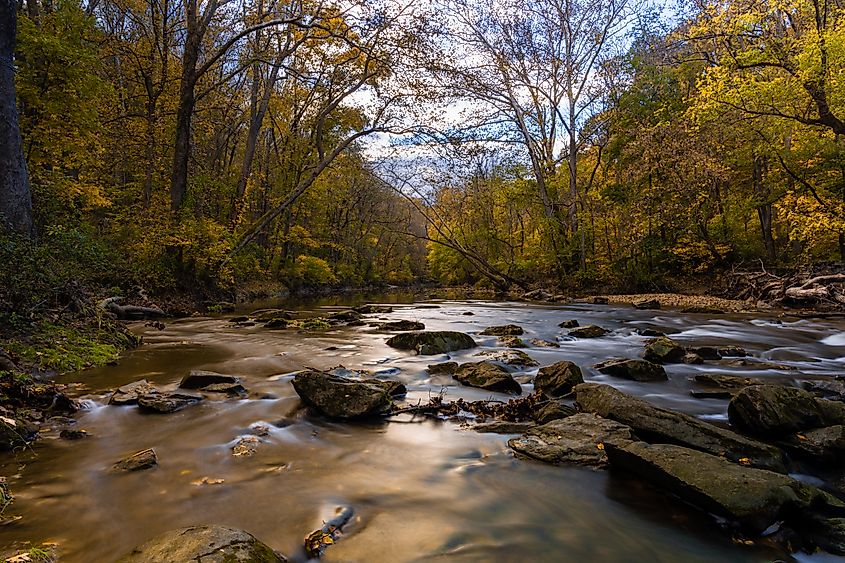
198	379
635	370
571	323
753	498
647	304
650	332
128	394
506	330
514	358
206	544
552	410
578	439
693	359
558	379
166	403
431	343
239	320
372	309
266	315
486	375
341	397
15	432
661	425
719	386
599	300
822	445
663	350
446	368
340	317
393	388
512	342
402	325
705	352
138	461
732	352
537	295
829	389
276	324
775	411
540	343
589	331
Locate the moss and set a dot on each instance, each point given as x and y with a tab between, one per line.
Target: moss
317	323
70	347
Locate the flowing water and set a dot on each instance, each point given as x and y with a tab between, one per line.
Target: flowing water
420	490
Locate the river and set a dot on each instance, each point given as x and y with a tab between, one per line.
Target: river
420	490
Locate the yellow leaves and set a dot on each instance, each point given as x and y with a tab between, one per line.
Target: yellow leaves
744	461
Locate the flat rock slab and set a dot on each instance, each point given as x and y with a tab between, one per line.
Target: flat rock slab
753	498
205	544
578	439
341	397
430	343
128	394
635	370
166	403
661	425
514	358
199	379
486	375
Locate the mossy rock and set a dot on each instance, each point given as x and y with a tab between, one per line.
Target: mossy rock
430	343
209	544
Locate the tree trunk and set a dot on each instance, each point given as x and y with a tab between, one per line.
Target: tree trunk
185	111
764	207
15	197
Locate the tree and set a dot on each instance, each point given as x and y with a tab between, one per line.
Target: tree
15	198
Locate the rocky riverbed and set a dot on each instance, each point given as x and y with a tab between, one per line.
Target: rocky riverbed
453	430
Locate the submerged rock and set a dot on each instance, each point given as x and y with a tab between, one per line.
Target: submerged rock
540	343
506	330
341	397
753	498
430	343
578	439
776	411
635	370
486	375
663	350
402	325
661	425
199	379
344	317
128	394
515	358
589	331
206	544
650	332
144	459
276	324
166	403
558	379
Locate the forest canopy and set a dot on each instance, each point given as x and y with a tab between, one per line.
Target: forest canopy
175	144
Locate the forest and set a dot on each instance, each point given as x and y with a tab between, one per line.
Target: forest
604	143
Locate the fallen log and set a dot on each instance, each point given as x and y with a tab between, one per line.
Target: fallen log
130	312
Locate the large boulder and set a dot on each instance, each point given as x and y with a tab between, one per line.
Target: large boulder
753	498
430	343
636	370
558	379
486	375
589	331
775	411
506	330
577	439
341	397
664	426
663	350
208	544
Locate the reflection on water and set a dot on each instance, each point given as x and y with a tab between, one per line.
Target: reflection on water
422	491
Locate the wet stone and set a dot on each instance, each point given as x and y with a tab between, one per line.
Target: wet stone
635	370
128	394
166	403
145	459
489	376
506	330
589	331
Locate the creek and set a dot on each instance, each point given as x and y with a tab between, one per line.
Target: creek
421	490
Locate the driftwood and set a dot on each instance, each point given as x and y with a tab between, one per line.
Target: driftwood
318	540
130	312
787	288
